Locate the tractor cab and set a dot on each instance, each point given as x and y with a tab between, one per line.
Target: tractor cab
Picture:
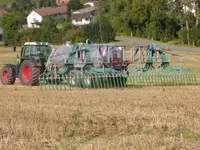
39	51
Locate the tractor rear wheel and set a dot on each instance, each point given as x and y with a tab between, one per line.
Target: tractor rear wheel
8	74
28	73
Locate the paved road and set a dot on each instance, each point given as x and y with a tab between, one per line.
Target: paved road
139	41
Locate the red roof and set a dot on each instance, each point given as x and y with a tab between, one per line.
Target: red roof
51	11
84	10
83	13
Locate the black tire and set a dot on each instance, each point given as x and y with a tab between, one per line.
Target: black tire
8	74
28	73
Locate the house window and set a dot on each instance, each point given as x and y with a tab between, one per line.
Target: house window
78	20
1	38
35	20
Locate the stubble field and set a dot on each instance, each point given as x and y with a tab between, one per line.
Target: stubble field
160	118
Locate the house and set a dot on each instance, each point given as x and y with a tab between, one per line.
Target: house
186	8
83	16
190	9
36	16
62	2
1	34
2	11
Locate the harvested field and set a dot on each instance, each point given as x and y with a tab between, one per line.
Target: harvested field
134	118
155	118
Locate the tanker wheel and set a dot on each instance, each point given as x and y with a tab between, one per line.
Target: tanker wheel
8	74
28	73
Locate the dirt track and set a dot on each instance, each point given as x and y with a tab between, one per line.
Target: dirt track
140	41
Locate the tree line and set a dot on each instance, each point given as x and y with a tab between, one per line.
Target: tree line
164	20
175	21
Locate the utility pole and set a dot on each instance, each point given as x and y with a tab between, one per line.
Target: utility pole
197	14
100	28
99	18
37	1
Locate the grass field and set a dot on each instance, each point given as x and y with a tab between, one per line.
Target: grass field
150	118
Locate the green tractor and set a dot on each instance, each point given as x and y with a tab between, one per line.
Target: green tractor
29	65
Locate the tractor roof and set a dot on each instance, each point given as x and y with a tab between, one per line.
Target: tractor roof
36	43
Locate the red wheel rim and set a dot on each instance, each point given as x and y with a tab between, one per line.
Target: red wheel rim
26	73
5	75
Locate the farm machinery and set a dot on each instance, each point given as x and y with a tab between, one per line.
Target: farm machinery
29	65
95	66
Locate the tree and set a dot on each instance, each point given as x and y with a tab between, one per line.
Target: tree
93	32
74	35
74	5
23	6
49	31
45	3
10	28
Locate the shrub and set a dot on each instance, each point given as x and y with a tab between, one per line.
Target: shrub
100	31
74	35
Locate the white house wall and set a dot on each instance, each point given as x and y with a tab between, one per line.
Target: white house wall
90	4
33	18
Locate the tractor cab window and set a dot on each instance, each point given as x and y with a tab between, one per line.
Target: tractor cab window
26	51
42	51
29	51
33	51
48	50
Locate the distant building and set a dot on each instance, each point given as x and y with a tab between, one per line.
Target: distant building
83	16
1	36
36	16
2	11
186	8
62	2
190	9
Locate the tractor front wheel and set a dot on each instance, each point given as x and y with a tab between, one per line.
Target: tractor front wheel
8	74
28	73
